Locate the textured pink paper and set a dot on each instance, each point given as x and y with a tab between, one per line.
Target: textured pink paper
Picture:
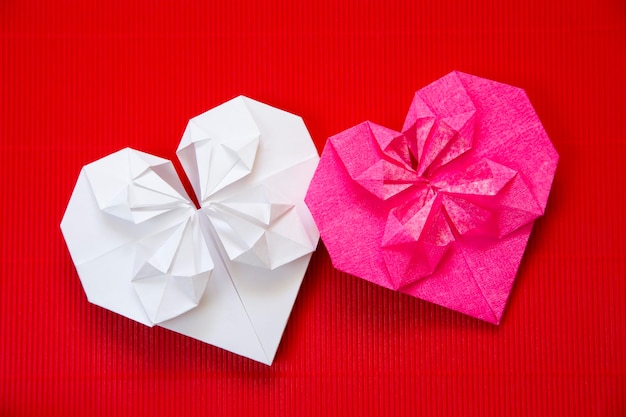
442	210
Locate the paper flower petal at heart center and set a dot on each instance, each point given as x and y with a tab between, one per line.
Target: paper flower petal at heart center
227	273
172	270
427	207
260	228
214	161
136	186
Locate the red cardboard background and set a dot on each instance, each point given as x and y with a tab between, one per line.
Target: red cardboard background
80	80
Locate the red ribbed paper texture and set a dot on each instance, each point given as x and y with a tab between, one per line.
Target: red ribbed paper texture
82	80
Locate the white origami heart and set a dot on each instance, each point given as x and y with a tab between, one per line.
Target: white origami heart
228	273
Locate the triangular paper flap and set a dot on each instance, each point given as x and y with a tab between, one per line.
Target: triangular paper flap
142	215
460	143
118	205
258	255
192	287
357	149
225	139
164	255
373	180
218	165
433	255
124	183
89	232
145	270
454	287
280	209
166	296
463	122
464	215
179	262
485	178
220	318
409	259
410	262
151	179
385	179
259	204
197	286
236	234
448	96
137	164
512	208
438	139
268	298
395	233
205	159
187	157
151	243
285	141
284	240
418	110
108	177
230	119
203	260
417	125
332	187
192	255
168	173
494	267
448	101
150	291
140	162
287	184
135	156
437	230
508	220
517	197
287	240
180	296
243	148
393	144
407	228
398	264
106	280
145	199
195	133
243	160
113	172
234	173
159	249
511	129
274	250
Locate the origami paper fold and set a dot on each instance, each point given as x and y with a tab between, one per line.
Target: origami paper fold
442	210
227	273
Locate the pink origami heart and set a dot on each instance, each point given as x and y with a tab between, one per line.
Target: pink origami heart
442	210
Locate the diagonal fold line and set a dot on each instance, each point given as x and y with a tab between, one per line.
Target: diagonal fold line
222	256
